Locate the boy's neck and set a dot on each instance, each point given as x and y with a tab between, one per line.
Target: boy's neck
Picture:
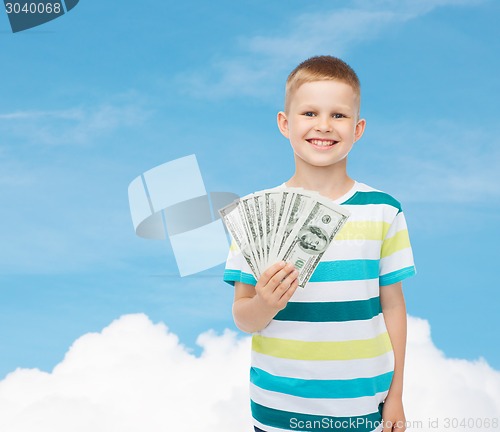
330	183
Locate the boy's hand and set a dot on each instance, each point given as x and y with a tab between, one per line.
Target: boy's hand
255	306
277	285
393	415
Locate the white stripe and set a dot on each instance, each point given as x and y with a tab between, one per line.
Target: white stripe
396	261
372	212
351	407
337	291
325	369
351	249
363	187
399	224
326	331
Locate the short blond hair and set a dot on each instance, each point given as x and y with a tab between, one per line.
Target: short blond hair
321	68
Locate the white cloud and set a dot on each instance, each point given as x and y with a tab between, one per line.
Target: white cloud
444	388
71	114
262	57
136	376
72	125
133	376
412	7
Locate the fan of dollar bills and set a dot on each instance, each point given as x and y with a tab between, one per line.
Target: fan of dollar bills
289	224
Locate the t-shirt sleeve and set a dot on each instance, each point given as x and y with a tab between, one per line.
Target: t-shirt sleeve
396	257
237	268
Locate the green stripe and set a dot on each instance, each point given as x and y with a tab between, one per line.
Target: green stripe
363	230
316	388
345	270
330	311
300	422
338	350
363	198
397	276
397	242
232	276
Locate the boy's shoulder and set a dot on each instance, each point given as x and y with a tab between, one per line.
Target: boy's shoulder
363	187
365	194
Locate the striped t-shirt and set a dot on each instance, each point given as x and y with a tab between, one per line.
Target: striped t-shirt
325	362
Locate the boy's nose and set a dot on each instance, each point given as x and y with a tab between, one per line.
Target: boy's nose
324	124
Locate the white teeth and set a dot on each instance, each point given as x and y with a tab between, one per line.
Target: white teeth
321	143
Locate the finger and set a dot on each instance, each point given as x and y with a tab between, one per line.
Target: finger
286	283
270	272
275	282
282	287
293	287
287	295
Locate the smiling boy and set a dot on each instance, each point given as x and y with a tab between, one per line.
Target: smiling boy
329	356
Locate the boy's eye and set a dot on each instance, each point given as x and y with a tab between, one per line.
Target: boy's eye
338	115
309	114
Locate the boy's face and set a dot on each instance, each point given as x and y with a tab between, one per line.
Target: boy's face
322	123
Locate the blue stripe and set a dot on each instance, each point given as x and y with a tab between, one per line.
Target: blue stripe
397	276
322	389
345	270
351	310
232	276
300	422
334	271
327	271
373	197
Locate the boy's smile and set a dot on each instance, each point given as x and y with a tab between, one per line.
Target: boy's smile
319	142
322	123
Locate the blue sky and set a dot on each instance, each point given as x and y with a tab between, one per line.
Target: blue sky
95	98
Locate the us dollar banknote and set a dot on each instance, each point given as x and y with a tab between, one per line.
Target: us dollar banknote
290	224
311	236
233	217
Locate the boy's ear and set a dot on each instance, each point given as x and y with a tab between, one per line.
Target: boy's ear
283	124
360	129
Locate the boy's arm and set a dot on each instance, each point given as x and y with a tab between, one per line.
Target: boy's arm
394	310
255	306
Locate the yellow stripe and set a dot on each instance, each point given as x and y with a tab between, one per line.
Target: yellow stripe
395	243
342	350
363	230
